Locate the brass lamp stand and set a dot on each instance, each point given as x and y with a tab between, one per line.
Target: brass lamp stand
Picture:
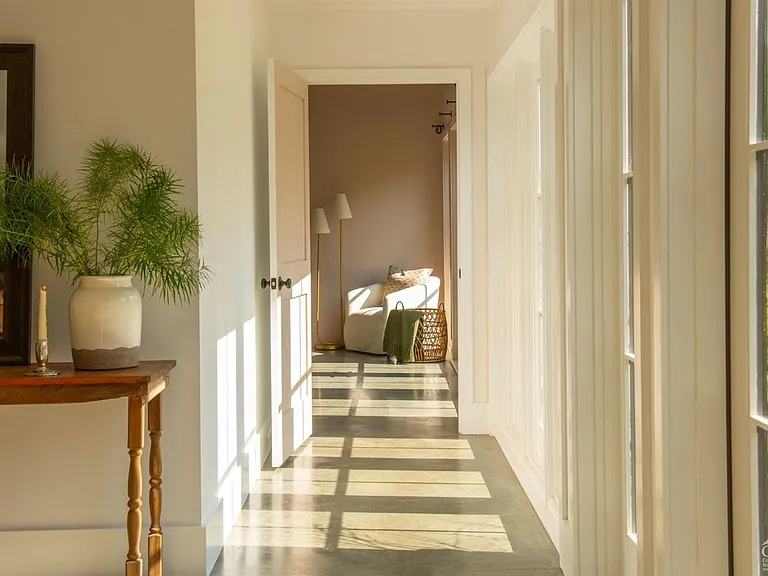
319	227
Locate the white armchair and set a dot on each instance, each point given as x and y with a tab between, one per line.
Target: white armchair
368	310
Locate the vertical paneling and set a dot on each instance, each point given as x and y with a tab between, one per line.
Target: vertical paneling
513	250
684	280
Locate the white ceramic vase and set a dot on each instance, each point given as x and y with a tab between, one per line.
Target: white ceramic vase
105	323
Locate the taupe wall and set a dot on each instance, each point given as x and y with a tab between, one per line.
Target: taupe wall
376	145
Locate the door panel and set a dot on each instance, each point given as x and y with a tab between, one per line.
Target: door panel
291	401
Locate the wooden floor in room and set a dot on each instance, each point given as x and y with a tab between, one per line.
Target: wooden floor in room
387	486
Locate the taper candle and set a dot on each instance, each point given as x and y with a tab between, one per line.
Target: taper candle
42	322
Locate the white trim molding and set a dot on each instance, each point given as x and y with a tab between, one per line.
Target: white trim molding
94	551
473	415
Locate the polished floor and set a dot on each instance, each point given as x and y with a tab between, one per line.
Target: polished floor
386	486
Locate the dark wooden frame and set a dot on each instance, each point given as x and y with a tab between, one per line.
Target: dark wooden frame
19	61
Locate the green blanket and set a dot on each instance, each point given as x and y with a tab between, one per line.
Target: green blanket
400	334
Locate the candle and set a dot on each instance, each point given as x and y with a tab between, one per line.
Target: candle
42	322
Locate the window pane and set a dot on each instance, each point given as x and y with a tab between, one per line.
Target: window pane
762	483
629	268
761	130
762	282
627	88
631	451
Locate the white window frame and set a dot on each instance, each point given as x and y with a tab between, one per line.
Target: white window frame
750	555
630	278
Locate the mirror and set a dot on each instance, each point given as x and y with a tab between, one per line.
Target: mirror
17	144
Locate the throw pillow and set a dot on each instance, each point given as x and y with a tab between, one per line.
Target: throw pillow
398	279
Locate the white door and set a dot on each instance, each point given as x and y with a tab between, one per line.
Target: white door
749	286
290	328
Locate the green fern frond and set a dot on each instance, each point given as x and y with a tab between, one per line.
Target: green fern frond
122	219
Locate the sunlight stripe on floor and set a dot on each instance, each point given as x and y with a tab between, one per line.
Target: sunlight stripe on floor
281	529
460	532
412	448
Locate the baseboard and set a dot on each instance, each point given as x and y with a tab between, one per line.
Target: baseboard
473	418
532	487
96	552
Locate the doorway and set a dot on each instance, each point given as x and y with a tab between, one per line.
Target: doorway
376	181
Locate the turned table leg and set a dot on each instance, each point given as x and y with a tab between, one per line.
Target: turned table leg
155	483
135	447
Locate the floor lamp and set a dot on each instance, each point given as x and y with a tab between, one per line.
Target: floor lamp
342	212
319	226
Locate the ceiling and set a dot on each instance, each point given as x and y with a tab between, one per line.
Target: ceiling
390	4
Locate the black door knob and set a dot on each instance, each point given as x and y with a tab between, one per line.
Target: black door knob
267	283
287	283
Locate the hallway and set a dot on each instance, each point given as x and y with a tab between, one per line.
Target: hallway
386	486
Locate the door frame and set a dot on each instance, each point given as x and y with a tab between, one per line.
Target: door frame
450	271
473	416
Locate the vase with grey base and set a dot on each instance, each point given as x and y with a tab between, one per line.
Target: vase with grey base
105	323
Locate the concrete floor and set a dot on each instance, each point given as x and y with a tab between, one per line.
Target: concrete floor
387	486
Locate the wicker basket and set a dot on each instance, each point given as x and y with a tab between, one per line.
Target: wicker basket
431	336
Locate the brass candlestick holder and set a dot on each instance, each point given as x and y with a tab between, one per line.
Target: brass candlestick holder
41	355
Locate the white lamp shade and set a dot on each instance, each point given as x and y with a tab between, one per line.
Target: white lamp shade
341	207
319	223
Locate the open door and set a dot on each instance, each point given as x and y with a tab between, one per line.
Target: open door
290	325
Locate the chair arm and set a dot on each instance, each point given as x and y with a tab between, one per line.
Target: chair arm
426	295
366	297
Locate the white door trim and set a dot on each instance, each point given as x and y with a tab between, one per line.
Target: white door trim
473	416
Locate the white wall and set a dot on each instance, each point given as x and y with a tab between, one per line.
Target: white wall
230	59
63	481
526	371
682	84
505	21
307	37
679	189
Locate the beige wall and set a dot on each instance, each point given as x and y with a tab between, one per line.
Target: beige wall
376	145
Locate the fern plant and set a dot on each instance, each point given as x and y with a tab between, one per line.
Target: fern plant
122	219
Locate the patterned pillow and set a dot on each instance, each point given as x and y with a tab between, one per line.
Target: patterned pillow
398	279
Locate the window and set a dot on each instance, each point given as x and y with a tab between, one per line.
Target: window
748	306
760	385
628	205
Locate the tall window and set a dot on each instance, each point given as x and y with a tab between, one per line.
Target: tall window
760	151
630	372
748	306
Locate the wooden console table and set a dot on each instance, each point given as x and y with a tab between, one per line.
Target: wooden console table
142	386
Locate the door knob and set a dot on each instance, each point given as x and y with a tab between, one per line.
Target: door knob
287	283
268	283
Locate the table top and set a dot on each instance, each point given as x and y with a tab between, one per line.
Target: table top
71	386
